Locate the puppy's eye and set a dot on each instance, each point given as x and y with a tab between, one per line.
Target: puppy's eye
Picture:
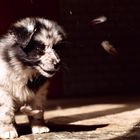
39	47
35	47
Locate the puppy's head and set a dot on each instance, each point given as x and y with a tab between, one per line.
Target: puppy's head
38	40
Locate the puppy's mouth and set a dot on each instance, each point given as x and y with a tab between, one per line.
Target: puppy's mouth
50	72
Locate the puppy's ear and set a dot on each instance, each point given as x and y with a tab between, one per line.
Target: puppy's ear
22	35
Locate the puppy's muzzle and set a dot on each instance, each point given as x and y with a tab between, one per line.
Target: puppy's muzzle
55	69
57	65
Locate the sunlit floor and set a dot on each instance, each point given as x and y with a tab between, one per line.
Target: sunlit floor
101	118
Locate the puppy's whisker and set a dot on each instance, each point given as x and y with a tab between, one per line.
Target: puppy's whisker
66	43
64	67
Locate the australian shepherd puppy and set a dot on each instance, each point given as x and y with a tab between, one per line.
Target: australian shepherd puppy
28	58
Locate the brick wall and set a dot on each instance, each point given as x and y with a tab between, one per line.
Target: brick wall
92	70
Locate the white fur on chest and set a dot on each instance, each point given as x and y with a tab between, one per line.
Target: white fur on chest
15	82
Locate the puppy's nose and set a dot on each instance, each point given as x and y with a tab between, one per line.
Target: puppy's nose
57	65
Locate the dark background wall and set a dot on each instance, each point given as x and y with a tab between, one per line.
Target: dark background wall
11	11
91	70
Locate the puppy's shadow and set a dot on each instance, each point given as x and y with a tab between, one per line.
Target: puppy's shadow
54	127
73	127
23	129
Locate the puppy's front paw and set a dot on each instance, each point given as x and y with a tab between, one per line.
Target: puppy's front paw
38	129
8	132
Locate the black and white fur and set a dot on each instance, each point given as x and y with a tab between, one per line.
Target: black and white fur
28	59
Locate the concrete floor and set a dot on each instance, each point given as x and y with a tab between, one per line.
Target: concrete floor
101	118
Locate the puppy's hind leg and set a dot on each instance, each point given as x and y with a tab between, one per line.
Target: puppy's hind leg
7	129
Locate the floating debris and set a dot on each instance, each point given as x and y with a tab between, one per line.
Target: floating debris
99	20
71	13
109	48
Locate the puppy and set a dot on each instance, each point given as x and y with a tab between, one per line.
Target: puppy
28	59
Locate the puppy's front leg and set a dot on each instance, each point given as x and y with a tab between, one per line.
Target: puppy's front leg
37	121
7	129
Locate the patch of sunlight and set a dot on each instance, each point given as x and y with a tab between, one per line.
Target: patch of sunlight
21	119
120	124
82	110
